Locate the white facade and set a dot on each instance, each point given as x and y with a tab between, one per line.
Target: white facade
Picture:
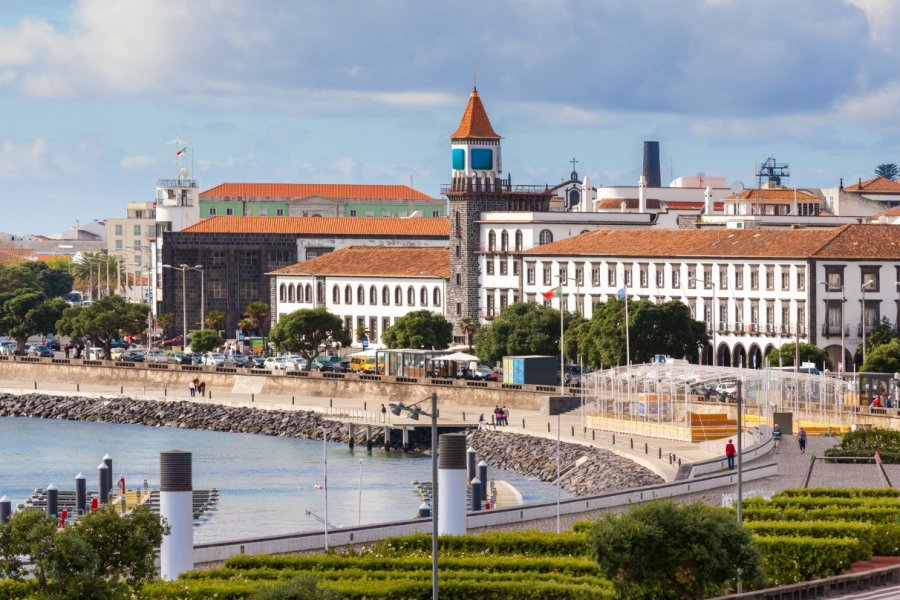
751	305
373	302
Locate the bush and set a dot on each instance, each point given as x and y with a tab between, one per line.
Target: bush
887	539
864	532
524	543
841	492
857	443
792	559
864	514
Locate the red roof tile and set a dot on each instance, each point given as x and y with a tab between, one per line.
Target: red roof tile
307	190
475	122
876	184
780	195
362	226
847	241
377	261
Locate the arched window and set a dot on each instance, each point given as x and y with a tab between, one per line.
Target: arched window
492	240
336	295
348	295
360	295
504	241
386	295
373	295
411	296
307	291
518	240
423	296
290	291
545	238
398	296
282	293
437	296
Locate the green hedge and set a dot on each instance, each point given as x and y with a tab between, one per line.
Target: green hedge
14	588
815	502
864	532
523	543
194	588
865	442
887	539
792	559
887	457
841	492
833	513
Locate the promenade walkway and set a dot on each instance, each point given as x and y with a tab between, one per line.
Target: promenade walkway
651	453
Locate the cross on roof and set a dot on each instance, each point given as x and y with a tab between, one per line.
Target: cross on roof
574	162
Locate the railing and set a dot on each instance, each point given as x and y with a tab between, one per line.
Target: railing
191	183
830	330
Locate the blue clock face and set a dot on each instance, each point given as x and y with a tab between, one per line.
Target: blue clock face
482	159
459	159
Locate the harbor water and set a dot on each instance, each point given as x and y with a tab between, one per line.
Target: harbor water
266	484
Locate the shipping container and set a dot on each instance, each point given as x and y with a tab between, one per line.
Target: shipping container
533	370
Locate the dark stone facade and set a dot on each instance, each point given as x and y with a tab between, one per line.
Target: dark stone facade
468	198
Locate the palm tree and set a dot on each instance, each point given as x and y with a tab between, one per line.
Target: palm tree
96	271
361	332
468	326
215	319
165	321
257	313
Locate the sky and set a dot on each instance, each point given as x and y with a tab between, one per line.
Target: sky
341	91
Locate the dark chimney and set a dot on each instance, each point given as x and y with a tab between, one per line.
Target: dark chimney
651	164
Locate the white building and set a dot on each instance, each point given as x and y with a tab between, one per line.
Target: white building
366	286
130	239
755	289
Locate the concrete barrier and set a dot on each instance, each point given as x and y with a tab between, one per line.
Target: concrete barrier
315	540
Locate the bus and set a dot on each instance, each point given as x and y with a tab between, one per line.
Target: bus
74	298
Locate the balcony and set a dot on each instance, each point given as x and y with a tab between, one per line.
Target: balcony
834	330
859	329
176	183
488	315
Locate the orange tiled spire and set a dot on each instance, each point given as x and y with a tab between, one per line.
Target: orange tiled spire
475	122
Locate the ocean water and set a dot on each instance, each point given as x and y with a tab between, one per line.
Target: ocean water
266	484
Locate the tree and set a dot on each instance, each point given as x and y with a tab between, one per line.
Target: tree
53	283
103	321
204	340
522	328
215	319
104	556
882	333
668	550
808	353
884	358
468	326
361	332
419	329
166	320
887	170
309	331
26	311
257	313
95	271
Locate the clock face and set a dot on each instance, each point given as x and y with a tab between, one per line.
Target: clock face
482	159
459	159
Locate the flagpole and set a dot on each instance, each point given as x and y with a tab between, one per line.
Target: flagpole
562	360
627	336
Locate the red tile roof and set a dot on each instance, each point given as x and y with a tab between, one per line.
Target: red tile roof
475	122
847	241
690	205
376	261
630	203
308	190
361	226
780	195
876	184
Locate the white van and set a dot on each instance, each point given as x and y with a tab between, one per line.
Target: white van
95	353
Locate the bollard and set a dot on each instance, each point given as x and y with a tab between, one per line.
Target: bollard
614	439
679	462
660	453
451	486
573	431
548	427
483	476
365	405
464	416
632	443
101	482
594	435
107	460
80	494
424	511
77	387
252	397
165	392
176	554
35	385
292	400
331	403
210	394
52	500
476	494
5	509
670	458
121	389
523	423
646	448
471	462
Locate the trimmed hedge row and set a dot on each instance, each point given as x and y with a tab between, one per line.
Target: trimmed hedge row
833	513
864	532
841	492
524	543
826	501
865	442
887	457
792	559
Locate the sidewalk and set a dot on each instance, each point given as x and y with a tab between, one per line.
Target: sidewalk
651	453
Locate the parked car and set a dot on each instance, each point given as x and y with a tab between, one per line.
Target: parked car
726	390
52	342
328	364
40	351
214	359
294	362
119	344
117	353
156	356
7	348
133	356
175	341
94	353
275	363
254	361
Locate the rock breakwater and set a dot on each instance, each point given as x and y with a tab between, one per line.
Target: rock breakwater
599	471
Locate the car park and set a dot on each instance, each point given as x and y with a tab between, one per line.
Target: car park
156	356
327	364
39	350
214	359
132	356
275	363
254	361
294	362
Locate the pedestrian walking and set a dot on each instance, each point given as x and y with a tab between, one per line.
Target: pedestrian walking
801	439
505	416
192	389
481	421
730	452
383	413
776	436
201	387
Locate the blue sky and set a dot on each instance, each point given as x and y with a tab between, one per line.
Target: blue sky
91	91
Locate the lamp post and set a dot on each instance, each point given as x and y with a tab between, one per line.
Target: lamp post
712	315
828	288
184	268
863	319
562	333
414	411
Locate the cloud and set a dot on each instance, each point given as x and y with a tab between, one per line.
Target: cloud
138	161
18	160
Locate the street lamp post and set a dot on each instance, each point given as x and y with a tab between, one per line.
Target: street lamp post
414	412
863	316
712	315
184	268
828	288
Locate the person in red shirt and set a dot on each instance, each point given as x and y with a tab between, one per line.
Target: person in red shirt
730	453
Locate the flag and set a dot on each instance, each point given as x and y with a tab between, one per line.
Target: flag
181	152
622	294
554	293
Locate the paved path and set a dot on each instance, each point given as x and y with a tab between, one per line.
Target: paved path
645	451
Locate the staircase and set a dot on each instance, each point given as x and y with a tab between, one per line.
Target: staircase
711	426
